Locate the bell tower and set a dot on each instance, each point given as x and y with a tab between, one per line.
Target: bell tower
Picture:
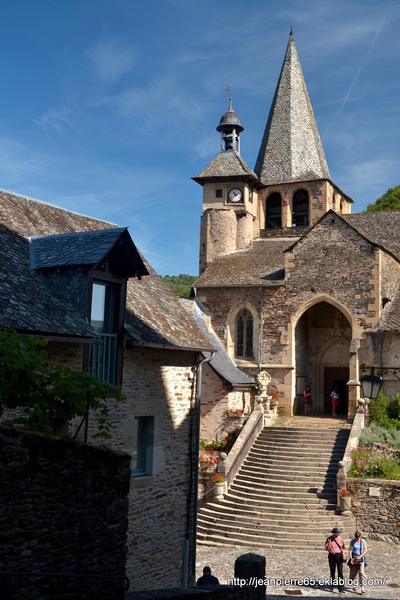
230	191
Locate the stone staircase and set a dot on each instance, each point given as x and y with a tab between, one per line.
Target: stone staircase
283	495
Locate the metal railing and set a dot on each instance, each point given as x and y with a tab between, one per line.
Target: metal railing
103	358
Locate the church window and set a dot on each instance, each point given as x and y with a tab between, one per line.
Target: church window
244	334
218	193
273	210
300	214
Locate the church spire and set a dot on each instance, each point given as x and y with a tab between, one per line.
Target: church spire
291	148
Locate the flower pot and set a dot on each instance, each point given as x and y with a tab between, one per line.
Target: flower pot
219	491
344	503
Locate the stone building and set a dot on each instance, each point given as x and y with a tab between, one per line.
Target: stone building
82	284
294	283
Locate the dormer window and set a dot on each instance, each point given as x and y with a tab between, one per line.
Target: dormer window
106	299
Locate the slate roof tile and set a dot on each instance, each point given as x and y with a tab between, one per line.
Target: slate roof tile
154	315
291	148
226	164
262	264
382	228
29	301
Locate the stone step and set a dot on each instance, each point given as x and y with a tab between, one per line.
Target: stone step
256	541
283	495
285	475
284	507
272	532
251	491
272	492
260	521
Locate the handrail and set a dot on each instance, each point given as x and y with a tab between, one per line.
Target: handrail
352	443
64	575
230	467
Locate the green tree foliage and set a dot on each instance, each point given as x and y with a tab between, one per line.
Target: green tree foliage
180	285
45	394
389	201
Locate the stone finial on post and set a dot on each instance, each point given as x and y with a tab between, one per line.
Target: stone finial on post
263	380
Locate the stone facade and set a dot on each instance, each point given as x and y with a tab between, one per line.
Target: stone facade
64	508
376	507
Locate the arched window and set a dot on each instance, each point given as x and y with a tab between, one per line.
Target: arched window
300	214
244	334
273	210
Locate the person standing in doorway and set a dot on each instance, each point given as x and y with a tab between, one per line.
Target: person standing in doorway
307	400
335	401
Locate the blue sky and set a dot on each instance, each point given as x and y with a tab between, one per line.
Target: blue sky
109	107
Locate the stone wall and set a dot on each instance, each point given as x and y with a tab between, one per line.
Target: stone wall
63	508
376	507
215	401
159	385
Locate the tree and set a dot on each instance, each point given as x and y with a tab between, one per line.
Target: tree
389	201
45	394
180	285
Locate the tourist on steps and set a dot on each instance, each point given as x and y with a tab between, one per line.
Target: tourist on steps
207	578
337	556
335	401
308	400
357	552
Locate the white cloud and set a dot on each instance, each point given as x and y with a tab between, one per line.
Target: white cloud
56	119
112	60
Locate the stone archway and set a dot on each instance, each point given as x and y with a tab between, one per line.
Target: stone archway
322	340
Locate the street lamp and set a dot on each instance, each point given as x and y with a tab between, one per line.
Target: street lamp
371	385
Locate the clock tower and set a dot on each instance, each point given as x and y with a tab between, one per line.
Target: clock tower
230	194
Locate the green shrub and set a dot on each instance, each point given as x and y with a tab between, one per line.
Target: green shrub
385	411
377	434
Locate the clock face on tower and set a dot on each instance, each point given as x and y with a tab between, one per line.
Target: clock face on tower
235	195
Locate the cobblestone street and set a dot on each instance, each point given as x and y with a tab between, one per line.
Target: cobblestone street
383	563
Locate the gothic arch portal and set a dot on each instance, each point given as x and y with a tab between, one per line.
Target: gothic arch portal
322	334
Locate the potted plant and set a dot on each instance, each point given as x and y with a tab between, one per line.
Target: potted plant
236	413
344	499
273	399
219	482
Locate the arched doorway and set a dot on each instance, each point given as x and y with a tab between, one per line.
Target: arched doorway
322	355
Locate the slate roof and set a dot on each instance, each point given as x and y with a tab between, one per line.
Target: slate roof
262	264
291	148
86	248
28	301
227	164
381	228
29	217
221	362
228	119
155	316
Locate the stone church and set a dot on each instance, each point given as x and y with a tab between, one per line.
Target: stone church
293	282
